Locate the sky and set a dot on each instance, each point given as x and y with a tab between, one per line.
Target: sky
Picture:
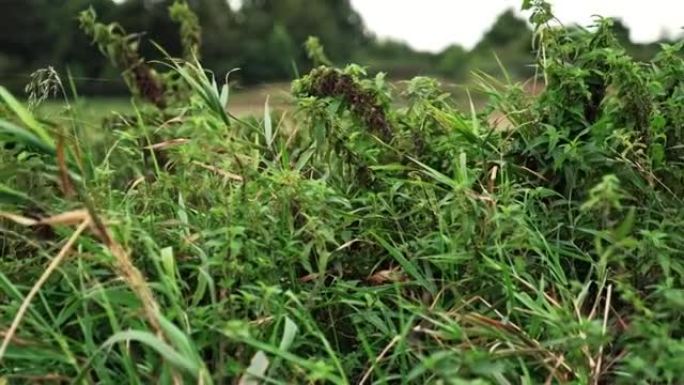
432	25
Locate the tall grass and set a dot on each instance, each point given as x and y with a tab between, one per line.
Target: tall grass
353	239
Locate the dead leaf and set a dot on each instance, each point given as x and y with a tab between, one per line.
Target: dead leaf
384	276
309	277
68	218
24	221
39	283
192	238
170	223
219	171
492	179
167	144
136	183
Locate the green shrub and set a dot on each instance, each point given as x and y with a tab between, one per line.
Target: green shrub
360	236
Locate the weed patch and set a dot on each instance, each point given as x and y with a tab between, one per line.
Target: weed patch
350	239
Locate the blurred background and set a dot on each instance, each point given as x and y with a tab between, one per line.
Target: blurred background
264	38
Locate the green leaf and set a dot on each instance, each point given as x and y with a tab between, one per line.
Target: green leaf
152	341
268	125
196	77
458	124
389	167
183	213
436	175
225	93
23	136
168	263
475	123
256	370
289	332
304	158
26	117
408	266
14	197
626	226
179	340
189	351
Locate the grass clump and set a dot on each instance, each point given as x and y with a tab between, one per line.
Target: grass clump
354	239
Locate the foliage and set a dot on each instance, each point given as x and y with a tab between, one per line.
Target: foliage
122	50
190	30
359	237
315	51
264	38
508	40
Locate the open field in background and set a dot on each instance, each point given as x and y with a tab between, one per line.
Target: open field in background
243	101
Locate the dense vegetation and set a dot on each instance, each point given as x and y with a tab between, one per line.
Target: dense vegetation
362	236
263	38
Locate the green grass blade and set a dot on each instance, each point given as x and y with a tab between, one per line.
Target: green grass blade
408	266
150	340
12	132
26	117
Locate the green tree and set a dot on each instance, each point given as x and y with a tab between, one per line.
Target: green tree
453	62
341	33
221	35
37	33
641	52
510	40
150	18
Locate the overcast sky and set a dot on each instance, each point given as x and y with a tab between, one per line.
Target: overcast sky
431	25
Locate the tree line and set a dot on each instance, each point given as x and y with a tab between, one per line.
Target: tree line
263	38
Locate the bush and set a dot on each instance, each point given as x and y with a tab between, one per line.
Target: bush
354	239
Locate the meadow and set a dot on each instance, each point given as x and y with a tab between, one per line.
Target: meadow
244	102
343	229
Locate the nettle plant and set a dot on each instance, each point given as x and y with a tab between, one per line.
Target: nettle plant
122	49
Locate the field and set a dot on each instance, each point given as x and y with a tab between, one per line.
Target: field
244	102
248	101
345	229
